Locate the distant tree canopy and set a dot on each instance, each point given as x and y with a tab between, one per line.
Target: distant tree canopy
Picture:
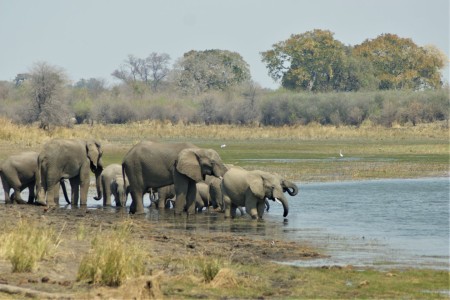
315	61
200	71
399	63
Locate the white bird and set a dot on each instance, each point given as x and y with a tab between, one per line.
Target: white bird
340	153
223	146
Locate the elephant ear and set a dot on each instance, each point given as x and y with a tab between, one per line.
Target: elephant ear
93	152
256	185
188	164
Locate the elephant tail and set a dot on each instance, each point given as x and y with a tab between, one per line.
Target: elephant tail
63	186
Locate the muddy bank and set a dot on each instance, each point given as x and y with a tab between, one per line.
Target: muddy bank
165	239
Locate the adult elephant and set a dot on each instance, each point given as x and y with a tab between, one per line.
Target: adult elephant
18	172
249	189
68	159
152	165
112	183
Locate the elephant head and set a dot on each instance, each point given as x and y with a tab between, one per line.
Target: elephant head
196	163
265	185
94	153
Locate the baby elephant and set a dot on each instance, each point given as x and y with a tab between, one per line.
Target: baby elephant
111	182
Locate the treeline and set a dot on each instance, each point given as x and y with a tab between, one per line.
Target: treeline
243	105
385	80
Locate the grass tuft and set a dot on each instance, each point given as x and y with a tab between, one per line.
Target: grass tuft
113	258
209	268
27	244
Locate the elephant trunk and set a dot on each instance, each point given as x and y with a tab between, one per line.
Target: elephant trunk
290	187
98	184
285	204
219	170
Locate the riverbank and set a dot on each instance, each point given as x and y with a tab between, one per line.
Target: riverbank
179	259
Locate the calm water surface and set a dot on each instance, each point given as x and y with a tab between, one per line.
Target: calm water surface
380	223
395	222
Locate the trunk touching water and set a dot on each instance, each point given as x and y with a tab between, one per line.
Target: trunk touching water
285	204
98	184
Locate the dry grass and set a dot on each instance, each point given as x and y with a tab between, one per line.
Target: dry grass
26	244
113	258
131	133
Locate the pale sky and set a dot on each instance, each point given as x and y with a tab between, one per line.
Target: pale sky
91	38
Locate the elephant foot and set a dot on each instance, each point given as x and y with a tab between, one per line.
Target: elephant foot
20	201
38	202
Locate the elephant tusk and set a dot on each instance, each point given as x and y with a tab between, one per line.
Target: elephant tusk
277	200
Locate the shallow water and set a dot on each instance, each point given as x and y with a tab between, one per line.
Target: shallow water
376	223
383	223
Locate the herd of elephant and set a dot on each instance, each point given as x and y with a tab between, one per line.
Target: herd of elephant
192	177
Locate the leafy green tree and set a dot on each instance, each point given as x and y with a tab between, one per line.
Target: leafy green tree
400	64
312	61
200	71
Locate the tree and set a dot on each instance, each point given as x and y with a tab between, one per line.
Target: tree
150	70
46	86
400	64
312	61
94	86
200	71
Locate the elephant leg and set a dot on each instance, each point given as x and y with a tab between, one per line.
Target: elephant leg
106	193
191	198
84	190
162	200
250	208
75	190
233	210
17	197
31	193
137	205
53	193
226	206
6	189
261	207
